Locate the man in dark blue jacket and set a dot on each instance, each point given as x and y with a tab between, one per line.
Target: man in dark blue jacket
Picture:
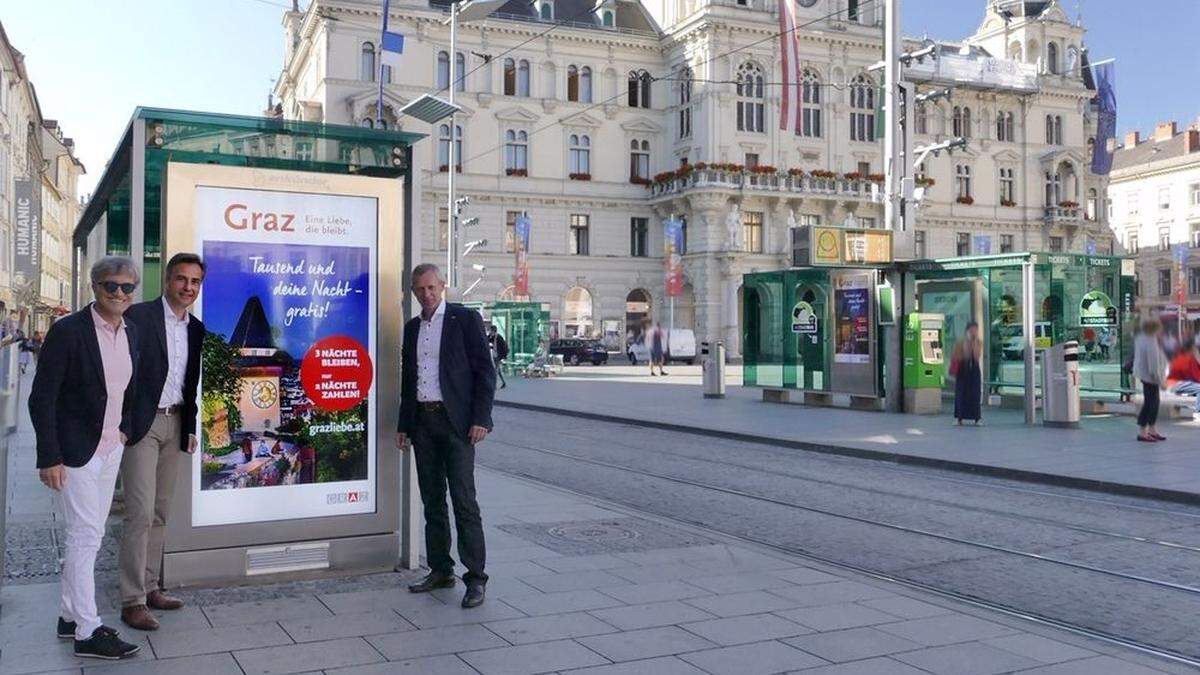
81	406
447	381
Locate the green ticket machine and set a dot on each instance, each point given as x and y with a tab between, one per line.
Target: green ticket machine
924	363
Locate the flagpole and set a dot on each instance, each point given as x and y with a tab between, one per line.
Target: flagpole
379	52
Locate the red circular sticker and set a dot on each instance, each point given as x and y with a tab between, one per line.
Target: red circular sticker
336	373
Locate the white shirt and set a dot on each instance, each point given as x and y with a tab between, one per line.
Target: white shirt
177	353
429	350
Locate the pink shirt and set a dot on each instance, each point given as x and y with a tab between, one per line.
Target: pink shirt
118	369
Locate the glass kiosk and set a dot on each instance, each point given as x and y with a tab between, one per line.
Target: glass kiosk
306	231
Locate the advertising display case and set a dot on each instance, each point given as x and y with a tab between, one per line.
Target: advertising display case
306	233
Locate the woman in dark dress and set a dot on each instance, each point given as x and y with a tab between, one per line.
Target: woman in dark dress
968	376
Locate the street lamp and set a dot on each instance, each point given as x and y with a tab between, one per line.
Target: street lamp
427	108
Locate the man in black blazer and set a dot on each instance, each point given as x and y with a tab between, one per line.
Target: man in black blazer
164	431
446	385
81	406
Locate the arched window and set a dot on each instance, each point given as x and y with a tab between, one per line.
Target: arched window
443	70
546	11
522	78
1058	130
572	83
962	121
585	84
751	108
460	68
1014	51
510	77
366	70
639	89
862	109
852	12
577	313
367	122
606	18
516	151
922	115
1004	126
444	147
639	160
685	103
579	159
1049	129
962	181
1052	58
810	105
632	89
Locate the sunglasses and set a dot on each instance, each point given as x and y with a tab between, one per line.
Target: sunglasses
111	287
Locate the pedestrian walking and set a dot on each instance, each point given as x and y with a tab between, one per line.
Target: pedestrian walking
657	349
25	350
164	432
499	347
1184	375
968	376
81	407
1150	366
447	383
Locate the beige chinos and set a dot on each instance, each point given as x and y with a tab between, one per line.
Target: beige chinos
148	472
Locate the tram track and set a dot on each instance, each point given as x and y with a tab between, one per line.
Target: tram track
994	548
949	504
1166	654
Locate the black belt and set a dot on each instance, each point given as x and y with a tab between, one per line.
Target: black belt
431	406
170	410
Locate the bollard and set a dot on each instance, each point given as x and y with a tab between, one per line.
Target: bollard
713	369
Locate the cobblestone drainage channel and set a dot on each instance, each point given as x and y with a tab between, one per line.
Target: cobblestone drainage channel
607	535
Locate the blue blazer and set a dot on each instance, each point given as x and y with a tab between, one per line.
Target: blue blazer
466	374
147	317
67	400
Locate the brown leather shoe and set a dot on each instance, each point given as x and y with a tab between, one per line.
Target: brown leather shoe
139	617
160	600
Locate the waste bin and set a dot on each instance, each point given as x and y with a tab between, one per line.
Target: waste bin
713	365
1060	385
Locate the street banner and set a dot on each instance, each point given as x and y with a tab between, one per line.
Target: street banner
287	397
27	235
1105	76
521	226
673	257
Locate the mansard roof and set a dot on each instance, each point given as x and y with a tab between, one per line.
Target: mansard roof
629	17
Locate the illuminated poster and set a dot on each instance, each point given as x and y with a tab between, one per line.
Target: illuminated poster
287	406
853	328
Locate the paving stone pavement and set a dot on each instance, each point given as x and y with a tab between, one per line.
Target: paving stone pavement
659	608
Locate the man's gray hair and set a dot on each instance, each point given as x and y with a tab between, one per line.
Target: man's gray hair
426	268
110	265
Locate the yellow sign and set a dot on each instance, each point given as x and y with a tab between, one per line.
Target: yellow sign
826	246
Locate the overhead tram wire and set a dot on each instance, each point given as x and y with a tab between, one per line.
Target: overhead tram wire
667	77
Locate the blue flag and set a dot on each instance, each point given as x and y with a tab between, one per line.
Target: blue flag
1106	120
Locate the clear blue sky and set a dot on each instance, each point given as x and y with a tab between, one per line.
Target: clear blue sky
92	62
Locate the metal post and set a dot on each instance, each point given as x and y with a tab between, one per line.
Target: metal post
1027	338
891	92
451	215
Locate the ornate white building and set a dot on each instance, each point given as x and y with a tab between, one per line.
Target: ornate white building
602	118
1154	202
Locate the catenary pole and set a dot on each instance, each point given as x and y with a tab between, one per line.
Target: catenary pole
451	211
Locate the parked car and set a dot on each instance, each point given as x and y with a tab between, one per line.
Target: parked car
681	347
1014	347
579	350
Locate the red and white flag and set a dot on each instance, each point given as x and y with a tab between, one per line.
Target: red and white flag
789	57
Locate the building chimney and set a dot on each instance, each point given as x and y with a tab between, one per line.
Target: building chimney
1193	140
1132	138
1164	131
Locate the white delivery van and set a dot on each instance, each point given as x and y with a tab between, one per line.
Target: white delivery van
682	345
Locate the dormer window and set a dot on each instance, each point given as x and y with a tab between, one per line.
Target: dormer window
546	10
606	18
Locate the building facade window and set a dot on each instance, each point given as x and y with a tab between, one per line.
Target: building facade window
867	222
443	70
962	181
752	231
572	83
921	113
579	158
1052	58
639	237
685	103
1004	127
810	105
546	10
750	107
962	121
444	147
1049	129
1194	195
1132	205
1194	280
1131	242
460	66
862	109
1195	235
638	89
1058	130
1164	282
1007	186
579	234
442	227
1164	239
516	151
751	160
510	77
1056	244
1164	199
639	160
919	249
1006	243
606	18
366	68
522	78
962	244
510	231
304	151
